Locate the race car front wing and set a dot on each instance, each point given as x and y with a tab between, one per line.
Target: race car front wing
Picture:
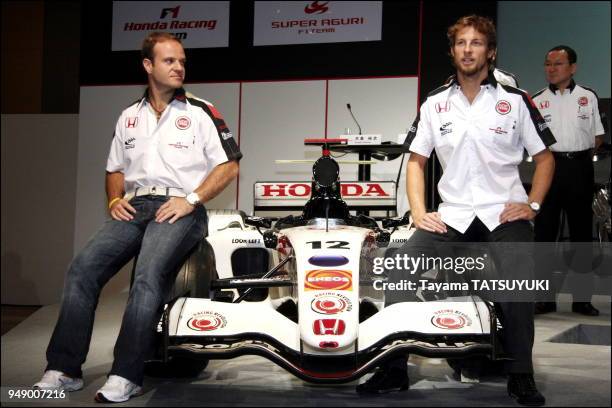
276	339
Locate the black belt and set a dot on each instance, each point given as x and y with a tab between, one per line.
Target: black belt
582	154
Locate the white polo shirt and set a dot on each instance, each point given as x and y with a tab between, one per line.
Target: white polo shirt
480	146
179	151
573	116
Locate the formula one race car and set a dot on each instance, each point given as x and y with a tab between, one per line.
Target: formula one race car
302	294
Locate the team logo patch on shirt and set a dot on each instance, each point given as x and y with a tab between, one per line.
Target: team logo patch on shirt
583	101
129	144
179	145
442	107
503	107
446	128
544	105
226	135
499	131
131	122
182	122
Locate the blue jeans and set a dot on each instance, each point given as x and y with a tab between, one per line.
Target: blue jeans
163	248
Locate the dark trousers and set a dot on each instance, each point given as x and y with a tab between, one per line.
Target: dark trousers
517	317
162	246
572	191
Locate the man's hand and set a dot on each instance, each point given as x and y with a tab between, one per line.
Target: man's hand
431	222
515	212
173	209
121	209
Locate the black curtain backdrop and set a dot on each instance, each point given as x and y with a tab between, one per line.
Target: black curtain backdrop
395	55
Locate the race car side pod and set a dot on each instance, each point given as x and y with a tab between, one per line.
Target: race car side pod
267	275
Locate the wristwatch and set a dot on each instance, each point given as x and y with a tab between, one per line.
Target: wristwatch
535	206
193	198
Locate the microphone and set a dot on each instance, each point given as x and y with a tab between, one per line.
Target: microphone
348	106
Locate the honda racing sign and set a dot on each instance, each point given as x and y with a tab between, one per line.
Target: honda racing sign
198	24
308	22
292	195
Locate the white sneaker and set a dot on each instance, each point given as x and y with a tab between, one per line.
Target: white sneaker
117	389
56	380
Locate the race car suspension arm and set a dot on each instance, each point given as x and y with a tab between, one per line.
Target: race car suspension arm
267	275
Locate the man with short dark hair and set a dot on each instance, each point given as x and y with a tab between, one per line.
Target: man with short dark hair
572	112
157	180
479	129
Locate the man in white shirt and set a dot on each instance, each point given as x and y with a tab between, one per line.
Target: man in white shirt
157	180
572	112
479	129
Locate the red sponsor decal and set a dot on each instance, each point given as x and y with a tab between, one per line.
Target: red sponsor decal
583	101
544	105
316	8
450	320
498	130
445	107
329	344
330	303
329	279
207	321
183	122
503	107
326	327
355	190
304	190
131	122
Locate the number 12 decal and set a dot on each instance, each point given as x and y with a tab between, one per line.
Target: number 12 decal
330	244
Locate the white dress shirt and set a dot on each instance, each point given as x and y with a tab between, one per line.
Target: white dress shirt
573	116
179	151
480	146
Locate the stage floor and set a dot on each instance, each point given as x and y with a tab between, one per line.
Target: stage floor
567	374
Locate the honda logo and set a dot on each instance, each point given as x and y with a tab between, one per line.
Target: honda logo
131	122
442	107
334	327
303	190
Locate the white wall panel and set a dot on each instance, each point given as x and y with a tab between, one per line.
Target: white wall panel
276	118
385	106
